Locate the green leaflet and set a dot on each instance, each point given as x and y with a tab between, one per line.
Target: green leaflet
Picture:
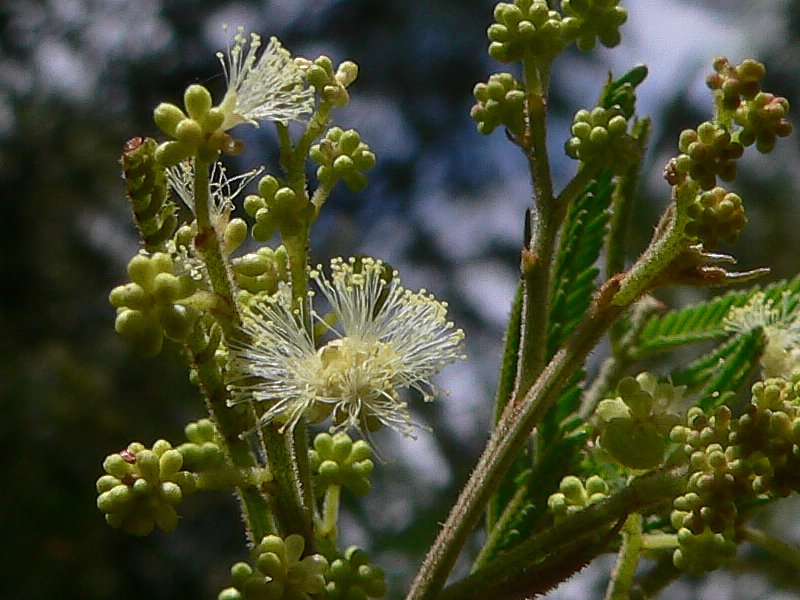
704	321
526	508
722	370
505	387
582	239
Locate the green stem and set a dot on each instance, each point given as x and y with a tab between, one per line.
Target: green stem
778	548
230	423
330	512
642	492
623	204
619	586
507	440
669	241
537	259
290	511
292	514
659	541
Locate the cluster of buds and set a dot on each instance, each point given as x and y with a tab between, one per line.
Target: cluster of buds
342	155
331	85
597	19
732	461
146	187
528	29
501	101
705	514
274	207
281	572
716	215
353	577
762	120
732	84
150	306
202	452
573	495
600	137
337	460
745	116
706	154
769	433
197	131
142	487
635	425
261	271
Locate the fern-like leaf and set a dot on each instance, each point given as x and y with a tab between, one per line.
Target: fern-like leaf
723	370
505	387
705	321
575	271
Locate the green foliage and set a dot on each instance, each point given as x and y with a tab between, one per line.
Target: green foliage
584	231
706	320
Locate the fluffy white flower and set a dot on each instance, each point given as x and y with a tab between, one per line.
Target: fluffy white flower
269	87
385	338
781	329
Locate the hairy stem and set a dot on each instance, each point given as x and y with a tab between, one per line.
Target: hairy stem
622	574
507	440
642	492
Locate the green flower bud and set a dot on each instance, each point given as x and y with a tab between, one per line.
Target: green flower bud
337	460
197	100
130	295
167	117
169	154
143	487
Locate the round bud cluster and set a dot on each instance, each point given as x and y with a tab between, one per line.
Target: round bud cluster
598	19
528	29
274	207
634	426
150	306
202	452
342	155
352	577
195	131
600	137
716	215
146	186
705	551
573	495
501	101
704	515
732	83
337	460
142	487
708	153
331	86
769	434
279	573
261	271
763	119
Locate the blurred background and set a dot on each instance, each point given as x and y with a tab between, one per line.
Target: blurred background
445	206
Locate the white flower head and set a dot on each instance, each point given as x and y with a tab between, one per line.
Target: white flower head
386	338
781	329
222	190
269	87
